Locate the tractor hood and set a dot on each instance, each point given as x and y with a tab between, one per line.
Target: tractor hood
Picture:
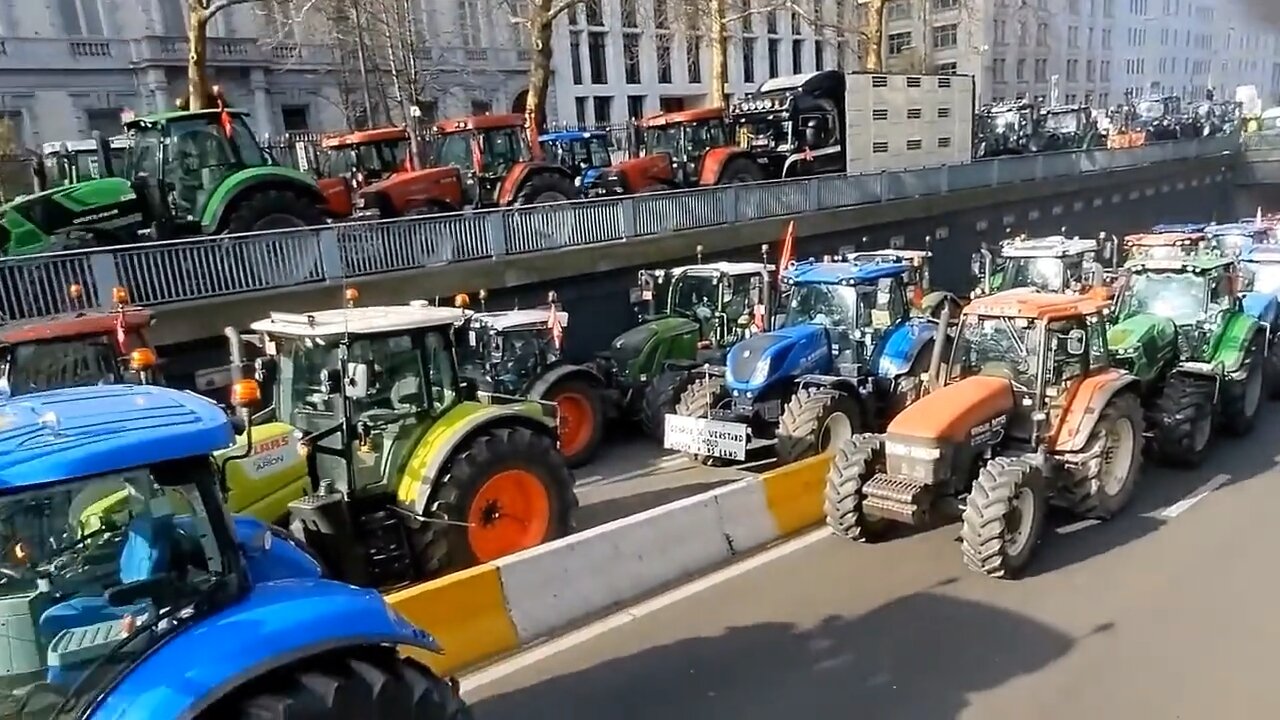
632	343
27	223
763	359
1144	335
951	413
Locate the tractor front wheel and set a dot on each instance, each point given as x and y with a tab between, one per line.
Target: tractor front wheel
856	461
345	685
1241	398
740	171
273	210
815	420
507	490
581	419
1182	420
661	396
1004	517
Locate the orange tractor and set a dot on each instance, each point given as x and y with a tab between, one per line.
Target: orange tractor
353	160
476	162
687	149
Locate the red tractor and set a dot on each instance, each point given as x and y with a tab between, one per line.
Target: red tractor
356	159
476	162
687	149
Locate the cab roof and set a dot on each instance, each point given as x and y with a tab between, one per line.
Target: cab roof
363	137
529	319
1199	262
1017	303
1239	228
177	115
729	268
1179	227
118	142
1050	246
71	433
811	272
1261	253
480	122
68	325
682	116
571	135
1163	239
371	320
906	256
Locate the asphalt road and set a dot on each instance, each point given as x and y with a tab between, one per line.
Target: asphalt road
632	474
1168	612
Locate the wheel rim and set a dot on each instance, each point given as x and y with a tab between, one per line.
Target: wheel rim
510	512
837	429
1252	391
278	221
1018	522
1118	456
576	423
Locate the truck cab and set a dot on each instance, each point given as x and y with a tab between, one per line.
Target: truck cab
794	126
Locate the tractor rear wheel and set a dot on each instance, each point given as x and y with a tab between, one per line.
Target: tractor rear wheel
661	396
856	460
702	396
1182	420
1119	429
581	419
1240	399
545	187
1004	517
815	420
344	685
506	490
273	210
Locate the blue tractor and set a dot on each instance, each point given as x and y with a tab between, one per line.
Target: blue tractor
1261	301
128	592
847	356
586	154
1235	238
1188	228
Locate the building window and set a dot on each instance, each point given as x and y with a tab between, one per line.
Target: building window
775	66
749	59
898	10
1089	74
575	56
481	107
1020	70
663	45
797	56
635	106
603	107
580	109
1024	35
946	4
693	53
946	68
1073	70
631	58
173	17
597	58
1042	70
630	14
82	18
105	120
661	14
1073	37
997	69
819	59
595	18
899	42
945	36
296	118
1042	35
469	19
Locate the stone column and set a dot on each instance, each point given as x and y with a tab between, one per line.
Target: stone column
157	84
263	118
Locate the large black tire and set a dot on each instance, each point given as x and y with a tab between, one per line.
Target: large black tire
997	534
446	547
704	395
1182	420
1120	429
815	420
1273	370
856	461
588	397
740	170
1241	399
344	685
545	187
661	396
273	210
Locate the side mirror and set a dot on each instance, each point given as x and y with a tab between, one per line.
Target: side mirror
330	381
467	388
976	266
357	380
1075	342
264	370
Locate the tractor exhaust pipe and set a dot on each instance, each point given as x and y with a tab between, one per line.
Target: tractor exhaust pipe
939	341
102	147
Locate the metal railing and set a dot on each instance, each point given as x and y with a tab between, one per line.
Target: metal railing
212	267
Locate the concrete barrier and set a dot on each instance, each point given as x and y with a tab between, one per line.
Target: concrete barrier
500	607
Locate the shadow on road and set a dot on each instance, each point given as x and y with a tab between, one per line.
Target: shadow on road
603	511
920	656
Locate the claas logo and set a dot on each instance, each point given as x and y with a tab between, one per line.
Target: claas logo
267	446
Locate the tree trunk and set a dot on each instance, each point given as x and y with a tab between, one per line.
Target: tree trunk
719	54
535	102
873	33
197	45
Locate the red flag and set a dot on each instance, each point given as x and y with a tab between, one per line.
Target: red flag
557	330
121	335
788	240
224	118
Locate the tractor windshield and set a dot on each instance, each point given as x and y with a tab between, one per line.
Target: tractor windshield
685	140
836	306
1000	347
93	574
1266	277
1062	122
1150	109
375	160
1232	243
70	362
1048	274
586	152
1180	297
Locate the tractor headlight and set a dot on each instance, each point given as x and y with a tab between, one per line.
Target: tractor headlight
761	373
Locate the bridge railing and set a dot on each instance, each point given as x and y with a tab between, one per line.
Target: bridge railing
210	267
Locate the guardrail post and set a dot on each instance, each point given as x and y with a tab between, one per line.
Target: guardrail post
729	200
102	267
880	185
496	229
628	211
946	179
330	253
1039	166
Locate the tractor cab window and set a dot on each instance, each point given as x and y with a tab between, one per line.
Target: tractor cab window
702	136
696	293
833	306
1062	122
200	156
75	362
664	139
1266	277
1150	109
396	375
1049	274
454	149
503	148
1099	357
999	347
67	550
1232	244
143	155
443	373
1070	351
573	154
1180	297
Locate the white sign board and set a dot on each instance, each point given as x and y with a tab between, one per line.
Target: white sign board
703	436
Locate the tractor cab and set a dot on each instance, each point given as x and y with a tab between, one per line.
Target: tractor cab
918	280
1160	244
1068	127
1235	238
498	164
78	348
1159	117
588	156
725	299
686	149
504	351
365	156
1054	264
74	161
1196	293
1006	128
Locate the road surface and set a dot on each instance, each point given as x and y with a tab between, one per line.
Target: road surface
632	474
1168	612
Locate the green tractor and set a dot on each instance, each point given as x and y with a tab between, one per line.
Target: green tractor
1055	264
73	161
414	471
1179	326
186	173
708	308
516	353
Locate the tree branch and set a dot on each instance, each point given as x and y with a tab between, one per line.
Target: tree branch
219	5
558	10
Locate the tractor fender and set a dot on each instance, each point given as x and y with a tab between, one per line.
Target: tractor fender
405	192
644	172
276	624
556	373
1232	349
520	173
713	163
256	179
1085	406
898	349
707	370
453	431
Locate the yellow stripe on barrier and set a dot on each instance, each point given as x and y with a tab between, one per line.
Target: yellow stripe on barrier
466	612
794	493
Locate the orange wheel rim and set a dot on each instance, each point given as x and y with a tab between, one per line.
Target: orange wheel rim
510	512
576	423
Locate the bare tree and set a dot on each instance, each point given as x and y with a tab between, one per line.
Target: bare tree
535	20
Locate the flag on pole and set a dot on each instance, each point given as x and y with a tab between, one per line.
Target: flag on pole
121	335
788	249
